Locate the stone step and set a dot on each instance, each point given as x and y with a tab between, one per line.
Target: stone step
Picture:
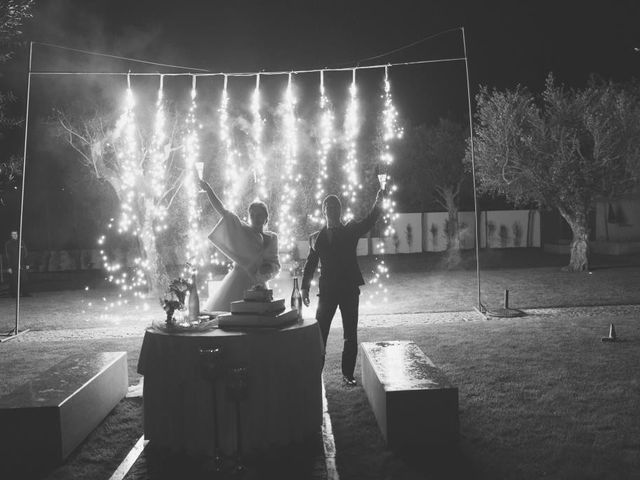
44	420
414	403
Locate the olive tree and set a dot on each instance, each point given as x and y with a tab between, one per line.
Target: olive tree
561	149
13	14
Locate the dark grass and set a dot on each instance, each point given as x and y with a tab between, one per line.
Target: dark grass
539	398
98	456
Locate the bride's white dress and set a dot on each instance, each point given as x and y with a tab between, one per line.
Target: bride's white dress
248	250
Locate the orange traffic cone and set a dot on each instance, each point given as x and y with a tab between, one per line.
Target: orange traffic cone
612	334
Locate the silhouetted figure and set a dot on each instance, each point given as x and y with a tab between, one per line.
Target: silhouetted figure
340	278
253	250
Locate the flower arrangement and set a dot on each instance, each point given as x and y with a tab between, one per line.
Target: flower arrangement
174	297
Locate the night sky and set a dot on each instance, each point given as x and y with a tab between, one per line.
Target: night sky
509	43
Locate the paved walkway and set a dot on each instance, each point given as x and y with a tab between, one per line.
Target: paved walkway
366	321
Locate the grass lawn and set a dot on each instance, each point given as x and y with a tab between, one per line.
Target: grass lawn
417	284
540	397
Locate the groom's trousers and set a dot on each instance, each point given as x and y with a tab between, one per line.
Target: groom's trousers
348	300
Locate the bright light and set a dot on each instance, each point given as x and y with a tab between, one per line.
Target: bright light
327	141
289	177
126	131
158	157
257	128
390	131
125	140
191	155
351	125
144	173
232	174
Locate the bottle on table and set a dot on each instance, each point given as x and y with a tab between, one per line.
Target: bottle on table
194	300
296	298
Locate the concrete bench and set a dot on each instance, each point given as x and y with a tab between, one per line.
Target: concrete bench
413	402
43	421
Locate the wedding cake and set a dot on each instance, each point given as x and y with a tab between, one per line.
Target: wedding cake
257	309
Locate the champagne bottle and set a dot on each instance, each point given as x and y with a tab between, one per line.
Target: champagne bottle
296	298
194	300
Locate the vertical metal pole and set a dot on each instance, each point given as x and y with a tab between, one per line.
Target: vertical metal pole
24	176
473	172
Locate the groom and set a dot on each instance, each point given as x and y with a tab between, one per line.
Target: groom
340	277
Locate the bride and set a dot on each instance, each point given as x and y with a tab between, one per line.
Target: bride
253	250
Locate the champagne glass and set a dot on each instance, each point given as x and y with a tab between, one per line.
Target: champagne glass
382	180
200	171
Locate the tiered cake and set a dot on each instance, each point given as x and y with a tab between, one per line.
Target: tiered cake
257	309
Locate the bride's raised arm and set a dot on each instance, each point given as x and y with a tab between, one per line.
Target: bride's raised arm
213	198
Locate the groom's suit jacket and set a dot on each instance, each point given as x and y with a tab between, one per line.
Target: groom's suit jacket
335	249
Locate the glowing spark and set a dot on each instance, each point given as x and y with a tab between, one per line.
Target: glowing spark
327	141
232	173
159	153
131	171
351	126
390	131
289	177
257	128
191	153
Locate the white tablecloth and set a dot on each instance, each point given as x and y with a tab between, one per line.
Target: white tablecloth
284	397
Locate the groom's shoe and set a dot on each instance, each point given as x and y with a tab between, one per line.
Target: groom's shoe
349	381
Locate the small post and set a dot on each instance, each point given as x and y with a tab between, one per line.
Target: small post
506	299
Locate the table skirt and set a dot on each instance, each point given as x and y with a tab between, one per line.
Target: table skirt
283	402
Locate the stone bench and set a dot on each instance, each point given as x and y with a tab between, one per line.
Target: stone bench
413	402
43	421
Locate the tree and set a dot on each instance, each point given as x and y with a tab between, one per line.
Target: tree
562	149
13	14
10	174
93	136
432	167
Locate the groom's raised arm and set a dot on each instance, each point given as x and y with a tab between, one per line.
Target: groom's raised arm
363	226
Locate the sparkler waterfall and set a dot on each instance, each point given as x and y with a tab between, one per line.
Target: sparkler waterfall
289	176
158	155
390	132
287	182
130	157
351	125
191	153
257	128
232	174
327	141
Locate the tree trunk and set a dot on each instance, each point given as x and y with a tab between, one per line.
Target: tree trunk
157	276
448	197
579	261
453	234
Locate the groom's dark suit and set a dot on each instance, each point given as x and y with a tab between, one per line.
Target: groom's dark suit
340	279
